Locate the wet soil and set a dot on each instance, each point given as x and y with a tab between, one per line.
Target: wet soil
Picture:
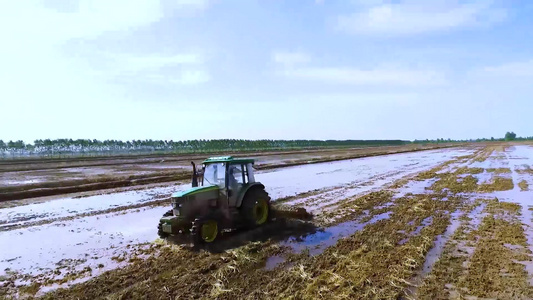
30	178
452	230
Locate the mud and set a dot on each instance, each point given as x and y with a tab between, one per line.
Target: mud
76	186
83	216
524	186
30	178
316	243
490	254
69	208
449	229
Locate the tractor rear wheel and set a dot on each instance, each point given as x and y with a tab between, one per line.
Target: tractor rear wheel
255	207
205	230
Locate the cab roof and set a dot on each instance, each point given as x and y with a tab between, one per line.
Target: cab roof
228	159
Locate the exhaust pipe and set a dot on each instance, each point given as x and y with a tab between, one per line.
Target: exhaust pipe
194	175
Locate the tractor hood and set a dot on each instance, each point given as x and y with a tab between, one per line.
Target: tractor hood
196	190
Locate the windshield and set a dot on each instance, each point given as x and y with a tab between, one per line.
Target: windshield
215	174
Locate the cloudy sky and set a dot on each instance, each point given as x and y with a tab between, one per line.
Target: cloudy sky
276	69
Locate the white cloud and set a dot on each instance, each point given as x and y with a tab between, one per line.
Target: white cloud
34	32
182	69
192	77
514	69
353	76
368	2
416	17
299	66
50	23
182	77
192	4
41	79
358	2
159	61
89	19
291	58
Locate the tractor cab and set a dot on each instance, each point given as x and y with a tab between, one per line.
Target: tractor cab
230	174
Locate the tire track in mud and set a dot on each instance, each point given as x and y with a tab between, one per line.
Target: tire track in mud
86	185
440	240
475	262
311	200
25	222
8	193
483	259
329	198
444	236
439	223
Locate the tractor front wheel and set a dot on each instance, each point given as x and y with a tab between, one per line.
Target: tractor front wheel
256	207
160	231
205	230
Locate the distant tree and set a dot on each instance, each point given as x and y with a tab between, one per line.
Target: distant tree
3	148
11	147
19	145
509	136
48	145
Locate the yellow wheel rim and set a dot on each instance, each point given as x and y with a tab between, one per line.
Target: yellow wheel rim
261	211
209	231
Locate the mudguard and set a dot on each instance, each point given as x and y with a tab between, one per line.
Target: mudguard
245	189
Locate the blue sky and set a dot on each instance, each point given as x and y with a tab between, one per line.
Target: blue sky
317	69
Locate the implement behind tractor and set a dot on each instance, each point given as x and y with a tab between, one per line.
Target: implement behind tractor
224	197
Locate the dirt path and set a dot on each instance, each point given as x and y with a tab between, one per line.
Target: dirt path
436	226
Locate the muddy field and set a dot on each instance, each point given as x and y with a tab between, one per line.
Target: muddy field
439	224
31	178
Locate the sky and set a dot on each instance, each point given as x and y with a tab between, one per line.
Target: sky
269	69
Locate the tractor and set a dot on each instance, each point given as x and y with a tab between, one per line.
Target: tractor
224	196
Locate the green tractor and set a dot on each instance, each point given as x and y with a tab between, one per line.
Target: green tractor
224	197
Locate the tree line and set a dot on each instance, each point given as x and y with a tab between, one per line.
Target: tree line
88	146
509	136
58	147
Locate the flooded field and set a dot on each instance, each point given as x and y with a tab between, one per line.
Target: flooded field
439	224
23	179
